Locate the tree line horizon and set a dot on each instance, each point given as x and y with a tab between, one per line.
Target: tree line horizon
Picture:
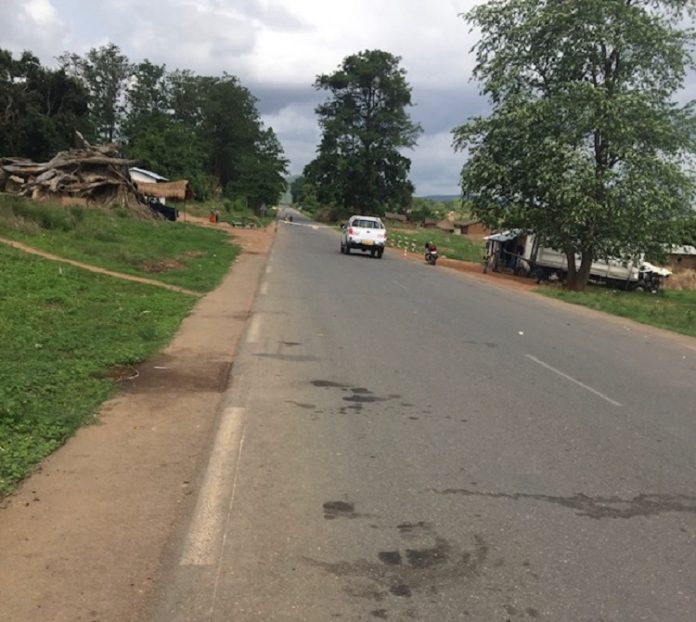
182	125
584	143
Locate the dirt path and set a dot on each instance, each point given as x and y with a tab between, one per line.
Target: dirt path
82	538
85	266
474	270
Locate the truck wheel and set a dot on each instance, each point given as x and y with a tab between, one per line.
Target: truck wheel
347	249
380	252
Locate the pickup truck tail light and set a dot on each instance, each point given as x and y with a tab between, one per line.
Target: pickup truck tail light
350	230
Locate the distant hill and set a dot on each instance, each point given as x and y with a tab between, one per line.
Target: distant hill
441	197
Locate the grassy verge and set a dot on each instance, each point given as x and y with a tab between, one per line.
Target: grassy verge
451	246
174	253
673	310
64	334
232	212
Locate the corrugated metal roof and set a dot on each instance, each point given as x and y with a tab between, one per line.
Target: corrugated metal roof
152	174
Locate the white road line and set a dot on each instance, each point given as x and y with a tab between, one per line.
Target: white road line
400	285
202	546
574	380
218	574
254	329
264	288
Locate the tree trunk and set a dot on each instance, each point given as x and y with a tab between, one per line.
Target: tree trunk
577	279
572	277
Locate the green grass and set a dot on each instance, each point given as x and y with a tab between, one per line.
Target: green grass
62	330
672	310
452	246
232	212
174	253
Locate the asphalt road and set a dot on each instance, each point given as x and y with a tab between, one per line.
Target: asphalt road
402	442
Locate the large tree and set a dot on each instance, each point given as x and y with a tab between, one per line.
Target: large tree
365	127
104	71
40	109
584	144
261	178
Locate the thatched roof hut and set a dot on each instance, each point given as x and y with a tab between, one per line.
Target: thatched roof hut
174	190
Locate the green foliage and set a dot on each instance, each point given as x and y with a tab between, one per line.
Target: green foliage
40	109
672	310
261	174
104	72
364	127
584	145
174	253
297	189
184	126
63	331
689	230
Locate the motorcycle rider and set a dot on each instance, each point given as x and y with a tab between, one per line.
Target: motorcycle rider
429	248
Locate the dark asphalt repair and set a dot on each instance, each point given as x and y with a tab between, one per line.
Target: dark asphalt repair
596	507
359	395
340	509
406	571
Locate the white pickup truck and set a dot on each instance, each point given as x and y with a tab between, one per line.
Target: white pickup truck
366	233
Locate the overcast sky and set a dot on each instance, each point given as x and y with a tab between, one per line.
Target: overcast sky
277	48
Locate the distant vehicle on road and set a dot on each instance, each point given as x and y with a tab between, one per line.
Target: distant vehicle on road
365	233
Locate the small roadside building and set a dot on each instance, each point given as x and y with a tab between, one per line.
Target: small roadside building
139	175
158	189
682	258
446	225
402	218
473	228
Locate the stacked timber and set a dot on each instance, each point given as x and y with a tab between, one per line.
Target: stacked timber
93	175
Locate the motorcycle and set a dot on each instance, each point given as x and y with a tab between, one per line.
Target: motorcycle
431	255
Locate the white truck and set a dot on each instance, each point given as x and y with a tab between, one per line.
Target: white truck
365	233
525	253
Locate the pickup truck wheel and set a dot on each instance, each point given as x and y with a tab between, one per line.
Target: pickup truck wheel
343	249
347	249
380	252
372	253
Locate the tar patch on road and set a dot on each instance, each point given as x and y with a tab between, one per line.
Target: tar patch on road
357	395
340	509
404	573
596	507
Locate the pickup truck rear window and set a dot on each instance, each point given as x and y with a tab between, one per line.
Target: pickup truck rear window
367	224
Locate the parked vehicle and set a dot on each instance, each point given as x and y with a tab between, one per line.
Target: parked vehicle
525	253
431	254
364	233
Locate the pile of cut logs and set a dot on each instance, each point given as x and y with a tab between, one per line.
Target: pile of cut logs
94	175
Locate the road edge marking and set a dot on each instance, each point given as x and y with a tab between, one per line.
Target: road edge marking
202	544
606	398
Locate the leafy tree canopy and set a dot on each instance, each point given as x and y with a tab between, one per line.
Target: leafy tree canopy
40	109
365	127
203	128
584	144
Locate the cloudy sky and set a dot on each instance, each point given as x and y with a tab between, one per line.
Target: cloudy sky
277	48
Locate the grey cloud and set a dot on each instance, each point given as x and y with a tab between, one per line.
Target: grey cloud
277	17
